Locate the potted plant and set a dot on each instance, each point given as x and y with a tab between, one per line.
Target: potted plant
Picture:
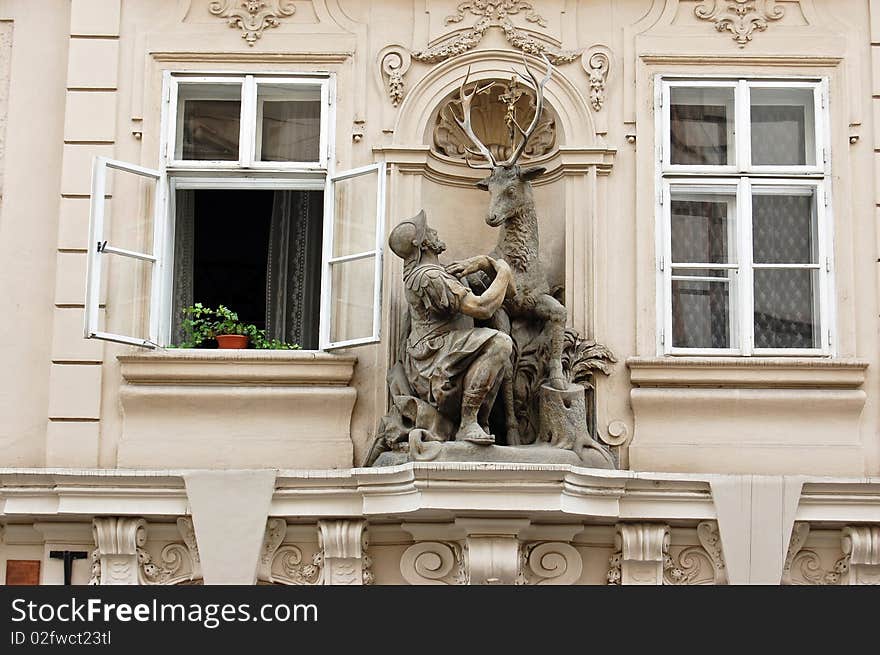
201	324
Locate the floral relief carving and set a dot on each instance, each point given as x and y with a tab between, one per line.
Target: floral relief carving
740	17
117	555
395	62
252	17
284	564
597	64
803	566
493	14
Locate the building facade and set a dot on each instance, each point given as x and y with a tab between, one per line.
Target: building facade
709	207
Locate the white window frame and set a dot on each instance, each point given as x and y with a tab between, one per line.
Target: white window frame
329	260
98	247
743	176
249	126
246	173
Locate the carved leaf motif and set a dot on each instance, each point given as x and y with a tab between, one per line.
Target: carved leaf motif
252	17
496	10
740	17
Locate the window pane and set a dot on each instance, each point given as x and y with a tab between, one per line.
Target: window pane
701	309
784	226
701	124
703	227
290	122
128	215
209	116
351	309
128	284
354	227
783	127
786	311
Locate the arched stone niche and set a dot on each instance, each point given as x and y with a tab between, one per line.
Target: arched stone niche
570	196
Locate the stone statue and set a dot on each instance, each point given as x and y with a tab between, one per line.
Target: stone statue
484	324
454	366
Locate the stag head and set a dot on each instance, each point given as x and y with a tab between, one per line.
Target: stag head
508	184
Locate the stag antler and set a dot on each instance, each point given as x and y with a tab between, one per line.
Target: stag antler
539	107
465	125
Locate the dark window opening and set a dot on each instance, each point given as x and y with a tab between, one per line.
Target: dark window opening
256	252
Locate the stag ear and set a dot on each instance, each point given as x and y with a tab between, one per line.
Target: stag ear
532	172
482	184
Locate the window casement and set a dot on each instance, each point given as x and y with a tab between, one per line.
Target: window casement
744	257
246	210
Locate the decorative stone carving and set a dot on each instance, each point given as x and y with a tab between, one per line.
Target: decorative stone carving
697	565
120	557
597	64
395	62
284	564
803	566
641	550
493	550
252	17
861	544
486	326
344	543
433	563
493	14
493	113
740	17
550	563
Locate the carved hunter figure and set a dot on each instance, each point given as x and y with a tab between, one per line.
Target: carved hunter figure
485	324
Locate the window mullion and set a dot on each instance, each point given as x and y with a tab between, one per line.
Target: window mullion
246	136
746	285
742	104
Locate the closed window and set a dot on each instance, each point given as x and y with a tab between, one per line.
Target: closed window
245	211
744	254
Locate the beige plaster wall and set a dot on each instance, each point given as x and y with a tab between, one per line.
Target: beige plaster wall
85	80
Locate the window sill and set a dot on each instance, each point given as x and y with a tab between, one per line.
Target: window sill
238	367
747	372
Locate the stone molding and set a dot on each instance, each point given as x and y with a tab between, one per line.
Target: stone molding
747	372
640	549
252	17
345	558
233	367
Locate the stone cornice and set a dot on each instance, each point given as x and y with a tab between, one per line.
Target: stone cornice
238	367
747	372
418	491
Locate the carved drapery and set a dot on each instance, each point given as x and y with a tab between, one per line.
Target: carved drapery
120	557
740	17
252	17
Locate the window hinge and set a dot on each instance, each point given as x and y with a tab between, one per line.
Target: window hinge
662	337
829	338
824	155
660	195
822	100
660	152
662	262
828	264
101	246
825	199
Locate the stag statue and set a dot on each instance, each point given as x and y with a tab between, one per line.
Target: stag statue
512	208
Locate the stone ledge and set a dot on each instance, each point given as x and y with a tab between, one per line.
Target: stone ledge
747	372
238	367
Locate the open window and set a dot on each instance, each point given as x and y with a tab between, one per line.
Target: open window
123	279
353	237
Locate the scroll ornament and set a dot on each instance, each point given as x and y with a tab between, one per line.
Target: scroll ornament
252	17
740	17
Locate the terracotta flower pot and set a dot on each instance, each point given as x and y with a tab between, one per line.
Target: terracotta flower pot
232	341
